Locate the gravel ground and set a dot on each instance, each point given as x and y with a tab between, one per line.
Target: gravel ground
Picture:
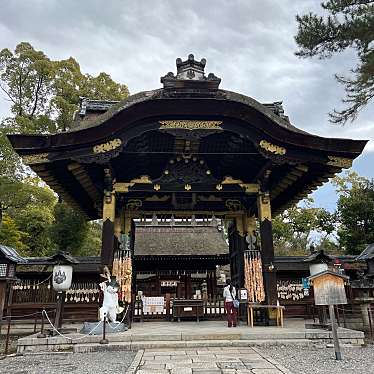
77	363
316	360
12	344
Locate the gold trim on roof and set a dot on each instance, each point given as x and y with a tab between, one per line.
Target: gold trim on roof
108	146
191	125
39	158
276	149
341	162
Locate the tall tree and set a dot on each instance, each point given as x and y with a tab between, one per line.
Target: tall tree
44	94
348	24
12	236
18	195
69	230
355	211
293	229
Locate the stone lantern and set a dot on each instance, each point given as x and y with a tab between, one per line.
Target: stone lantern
9	258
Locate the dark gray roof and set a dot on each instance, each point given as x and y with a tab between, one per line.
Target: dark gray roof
11	254
319	256
179	240
367	253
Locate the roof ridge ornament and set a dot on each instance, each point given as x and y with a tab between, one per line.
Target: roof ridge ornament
190	73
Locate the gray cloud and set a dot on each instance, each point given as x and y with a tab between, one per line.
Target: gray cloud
249	44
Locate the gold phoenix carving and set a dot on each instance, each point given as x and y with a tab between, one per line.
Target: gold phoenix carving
276	149
191	125
108	146
35	159
341	162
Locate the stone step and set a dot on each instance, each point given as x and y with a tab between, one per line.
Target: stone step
134	346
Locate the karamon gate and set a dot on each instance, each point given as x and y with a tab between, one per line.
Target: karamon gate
187	150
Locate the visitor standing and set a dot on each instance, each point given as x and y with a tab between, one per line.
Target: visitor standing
229	294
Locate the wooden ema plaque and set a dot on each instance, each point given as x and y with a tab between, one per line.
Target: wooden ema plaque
329	288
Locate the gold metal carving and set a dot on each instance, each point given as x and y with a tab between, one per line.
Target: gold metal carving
157	187
187	187
231	180
250	187
340	162
108	146
219	187
276	149
264	208
143	179
35	159
191	125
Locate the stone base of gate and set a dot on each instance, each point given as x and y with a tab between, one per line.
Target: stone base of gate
189	335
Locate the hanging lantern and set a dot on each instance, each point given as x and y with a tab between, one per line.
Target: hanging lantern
62	276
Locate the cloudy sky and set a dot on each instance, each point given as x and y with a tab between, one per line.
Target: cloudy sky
249	44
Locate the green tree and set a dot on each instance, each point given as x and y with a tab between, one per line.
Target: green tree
17	195
348	24
69	230
36	222
293	228
91	245
12	236
44	94
355	211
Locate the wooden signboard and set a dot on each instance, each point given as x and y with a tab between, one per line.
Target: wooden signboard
329	288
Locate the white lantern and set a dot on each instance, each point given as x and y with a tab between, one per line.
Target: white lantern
62	276
316	268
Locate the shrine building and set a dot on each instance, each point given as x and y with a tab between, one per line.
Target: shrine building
164	162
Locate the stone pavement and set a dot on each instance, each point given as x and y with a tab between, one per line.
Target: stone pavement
207	360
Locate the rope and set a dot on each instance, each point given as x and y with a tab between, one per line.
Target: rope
68	337
34	285
25	315
119	323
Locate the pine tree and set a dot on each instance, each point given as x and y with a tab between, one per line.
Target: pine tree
349	24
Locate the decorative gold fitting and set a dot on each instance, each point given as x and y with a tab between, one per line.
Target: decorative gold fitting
272	148
187	187
156	187
35	159
108	197
341	162
219	187
191	125
265	198
108	146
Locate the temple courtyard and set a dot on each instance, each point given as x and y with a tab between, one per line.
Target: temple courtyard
193	347
262	360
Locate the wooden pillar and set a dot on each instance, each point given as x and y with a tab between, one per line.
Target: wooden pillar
3	289
267	247
241	246
214	291
109	208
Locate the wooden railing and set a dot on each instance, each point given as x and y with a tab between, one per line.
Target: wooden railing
214	308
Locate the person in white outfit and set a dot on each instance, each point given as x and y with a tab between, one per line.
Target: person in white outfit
229	294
